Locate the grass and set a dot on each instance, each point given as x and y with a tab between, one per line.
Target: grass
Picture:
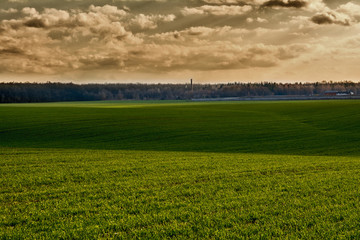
239	170
303	128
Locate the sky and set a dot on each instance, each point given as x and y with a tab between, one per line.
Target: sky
171	41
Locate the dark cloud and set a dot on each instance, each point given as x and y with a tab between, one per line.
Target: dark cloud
322	19
225	2
35	23
58	34
12	51
289	4
329	18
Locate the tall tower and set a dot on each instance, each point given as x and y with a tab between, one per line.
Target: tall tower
191	83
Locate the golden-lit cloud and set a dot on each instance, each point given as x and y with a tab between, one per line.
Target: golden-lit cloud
220	10
151	21
345	15
240	40
10	10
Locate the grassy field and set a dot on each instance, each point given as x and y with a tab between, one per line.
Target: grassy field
156	170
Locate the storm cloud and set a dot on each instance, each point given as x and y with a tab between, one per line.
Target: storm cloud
329	18
285	4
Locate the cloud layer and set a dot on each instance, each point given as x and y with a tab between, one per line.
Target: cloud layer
205	38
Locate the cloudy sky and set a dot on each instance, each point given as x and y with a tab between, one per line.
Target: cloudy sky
175	40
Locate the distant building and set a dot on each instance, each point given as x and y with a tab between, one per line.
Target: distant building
338	93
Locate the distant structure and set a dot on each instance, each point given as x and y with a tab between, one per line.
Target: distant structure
191	83
337	93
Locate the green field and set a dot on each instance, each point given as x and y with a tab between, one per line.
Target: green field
155	170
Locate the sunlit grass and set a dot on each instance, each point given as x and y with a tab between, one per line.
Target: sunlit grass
49	193
180	170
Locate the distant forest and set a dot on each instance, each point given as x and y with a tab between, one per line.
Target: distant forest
56	92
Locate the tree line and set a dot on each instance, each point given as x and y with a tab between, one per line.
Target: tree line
56	92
